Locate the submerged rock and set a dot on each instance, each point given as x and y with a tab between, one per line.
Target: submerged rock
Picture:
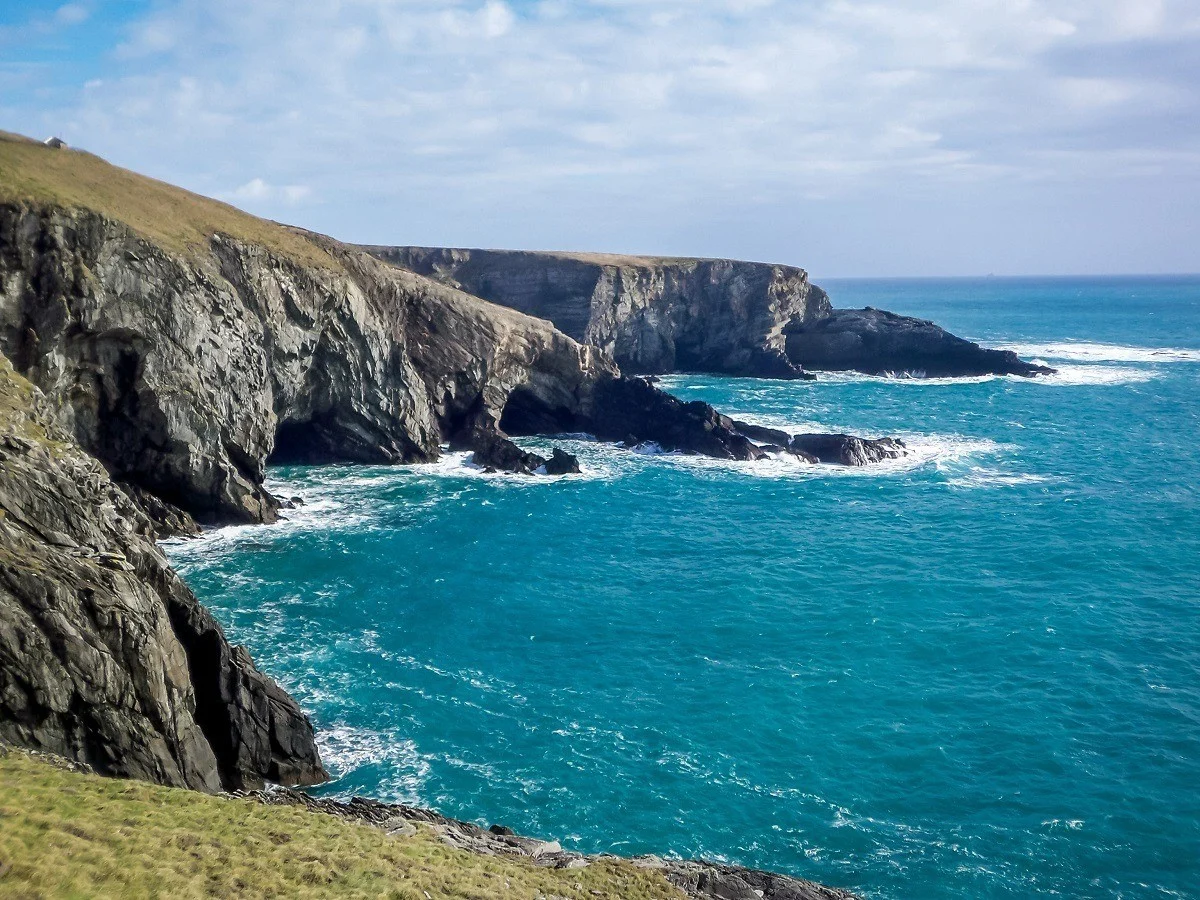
877	342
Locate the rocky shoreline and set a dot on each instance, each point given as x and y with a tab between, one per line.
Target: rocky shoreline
697	879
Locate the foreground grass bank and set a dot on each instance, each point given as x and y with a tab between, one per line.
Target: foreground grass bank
73	835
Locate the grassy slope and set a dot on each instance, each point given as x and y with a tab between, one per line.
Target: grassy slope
66	834
171	217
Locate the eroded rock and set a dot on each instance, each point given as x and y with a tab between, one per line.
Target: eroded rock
651	314
106	657
878	342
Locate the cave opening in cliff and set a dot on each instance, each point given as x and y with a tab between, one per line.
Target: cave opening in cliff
298	443
525	413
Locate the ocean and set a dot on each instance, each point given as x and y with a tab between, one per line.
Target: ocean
974	672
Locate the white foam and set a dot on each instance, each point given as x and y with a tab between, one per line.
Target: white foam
1071	374
984	477
921	451
334	497
1094	351
1066	374
850	377
345	749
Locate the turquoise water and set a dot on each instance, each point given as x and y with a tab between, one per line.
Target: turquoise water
973	673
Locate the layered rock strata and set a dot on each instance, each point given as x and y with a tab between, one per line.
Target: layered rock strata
650	314
105	655
657	315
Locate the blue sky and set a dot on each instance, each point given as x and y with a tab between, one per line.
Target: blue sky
852	138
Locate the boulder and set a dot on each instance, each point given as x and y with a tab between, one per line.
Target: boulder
562	463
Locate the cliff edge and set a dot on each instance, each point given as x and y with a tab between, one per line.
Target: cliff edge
720	316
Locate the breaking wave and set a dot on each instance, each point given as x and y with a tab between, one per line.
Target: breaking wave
1096	352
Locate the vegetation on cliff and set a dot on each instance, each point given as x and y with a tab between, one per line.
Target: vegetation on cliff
66	833
174	218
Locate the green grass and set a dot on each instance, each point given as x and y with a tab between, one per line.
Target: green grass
64	834
169	216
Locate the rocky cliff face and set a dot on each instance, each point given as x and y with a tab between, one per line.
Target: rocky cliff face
185	373
652	315
722	316
105	655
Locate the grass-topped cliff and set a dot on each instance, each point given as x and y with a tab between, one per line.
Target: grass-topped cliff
64	833
173	218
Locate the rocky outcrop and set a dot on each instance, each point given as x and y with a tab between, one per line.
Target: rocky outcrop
882	343
656	315
105	655
185	373
633	411
697	879
833	449
847	449
650	314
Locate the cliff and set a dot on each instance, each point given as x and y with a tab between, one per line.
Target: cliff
721	316
105	655
651	314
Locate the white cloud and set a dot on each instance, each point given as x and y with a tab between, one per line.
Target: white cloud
71	14
415	111
256	190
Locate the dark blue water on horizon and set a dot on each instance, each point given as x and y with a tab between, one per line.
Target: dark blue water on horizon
971	673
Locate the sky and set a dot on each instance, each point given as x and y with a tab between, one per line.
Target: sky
931	137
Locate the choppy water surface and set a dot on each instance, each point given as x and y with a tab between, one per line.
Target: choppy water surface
974	673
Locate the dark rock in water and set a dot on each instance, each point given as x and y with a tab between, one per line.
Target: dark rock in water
491	450
627	409
562	463
106	657
882	343
846	449
761	433
624	407
836	449
803	455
